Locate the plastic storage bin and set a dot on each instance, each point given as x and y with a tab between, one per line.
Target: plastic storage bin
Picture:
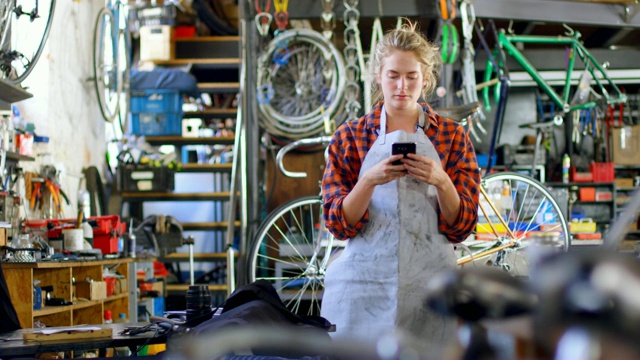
156	112
602	171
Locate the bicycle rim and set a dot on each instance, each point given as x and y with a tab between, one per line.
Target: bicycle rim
125	95
289	252
531	213
299	84
107	75
25	40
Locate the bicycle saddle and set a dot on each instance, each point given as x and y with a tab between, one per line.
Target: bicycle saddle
479	293
458	113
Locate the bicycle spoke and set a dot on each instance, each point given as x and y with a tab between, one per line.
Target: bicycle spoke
531	212
290	252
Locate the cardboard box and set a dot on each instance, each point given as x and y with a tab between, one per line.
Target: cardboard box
626	145
624	182
121	286
95	290
156	42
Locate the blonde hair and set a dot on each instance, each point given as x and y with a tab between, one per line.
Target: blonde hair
406	38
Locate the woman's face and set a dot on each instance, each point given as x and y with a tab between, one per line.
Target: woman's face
401	80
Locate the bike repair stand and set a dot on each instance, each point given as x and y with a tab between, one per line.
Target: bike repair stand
189	241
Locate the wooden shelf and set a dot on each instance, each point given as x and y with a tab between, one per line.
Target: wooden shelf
209	39
180	141
198	256
192	167
219	87
19	157
20	278
211	113
11	94
185	287
204	226
215	63
157	196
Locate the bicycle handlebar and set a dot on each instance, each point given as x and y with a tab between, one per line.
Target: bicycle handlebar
321	140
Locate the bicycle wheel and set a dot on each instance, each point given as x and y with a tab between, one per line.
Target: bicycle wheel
124	63
106	71
530	212
299	84
292	253
23	34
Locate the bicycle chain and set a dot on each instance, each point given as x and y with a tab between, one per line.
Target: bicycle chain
328	19
354	59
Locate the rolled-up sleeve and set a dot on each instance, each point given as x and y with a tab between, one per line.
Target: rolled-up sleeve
462	167
340	176
349	146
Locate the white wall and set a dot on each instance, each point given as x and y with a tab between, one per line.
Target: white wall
64	105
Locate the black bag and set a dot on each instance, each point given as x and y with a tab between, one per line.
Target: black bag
257	303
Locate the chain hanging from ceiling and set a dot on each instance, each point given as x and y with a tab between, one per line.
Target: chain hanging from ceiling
327	19
354	59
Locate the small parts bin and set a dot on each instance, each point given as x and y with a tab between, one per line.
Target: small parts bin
156	112
602	171
587	194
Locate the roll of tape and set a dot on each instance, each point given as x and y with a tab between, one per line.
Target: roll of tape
73	239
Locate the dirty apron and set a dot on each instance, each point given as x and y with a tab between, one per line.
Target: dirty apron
379	281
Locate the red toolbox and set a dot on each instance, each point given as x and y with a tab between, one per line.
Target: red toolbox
106	230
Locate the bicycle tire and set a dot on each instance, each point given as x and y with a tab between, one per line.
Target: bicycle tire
124	104
36	55
294	263
534	212
299	84
107	76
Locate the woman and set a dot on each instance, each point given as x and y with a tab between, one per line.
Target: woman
400	219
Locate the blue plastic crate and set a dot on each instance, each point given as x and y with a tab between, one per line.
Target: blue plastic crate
153	124
156	112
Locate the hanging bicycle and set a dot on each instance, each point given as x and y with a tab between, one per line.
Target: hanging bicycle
111	62
24	29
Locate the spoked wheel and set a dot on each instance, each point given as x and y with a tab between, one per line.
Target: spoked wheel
290	252
106	70
300	84
24	30
535	224
124	64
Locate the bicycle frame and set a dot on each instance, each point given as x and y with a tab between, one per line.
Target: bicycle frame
508	42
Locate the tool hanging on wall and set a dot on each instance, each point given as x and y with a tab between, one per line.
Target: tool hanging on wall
281	15
376	35
263	18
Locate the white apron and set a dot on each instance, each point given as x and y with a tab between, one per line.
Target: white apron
378	282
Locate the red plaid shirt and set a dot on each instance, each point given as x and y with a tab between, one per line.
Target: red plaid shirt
350	145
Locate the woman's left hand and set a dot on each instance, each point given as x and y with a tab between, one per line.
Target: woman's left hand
425	169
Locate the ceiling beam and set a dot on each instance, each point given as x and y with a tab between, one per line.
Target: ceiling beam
560	11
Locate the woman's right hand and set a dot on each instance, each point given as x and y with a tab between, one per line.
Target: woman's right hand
384	171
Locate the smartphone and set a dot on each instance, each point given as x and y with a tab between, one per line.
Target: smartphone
402	148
